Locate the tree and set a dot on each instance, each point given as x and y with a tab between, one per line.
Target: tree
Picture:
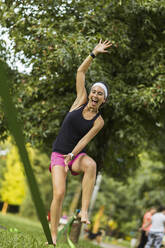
13	185
11	74
56	35
126	203
4	150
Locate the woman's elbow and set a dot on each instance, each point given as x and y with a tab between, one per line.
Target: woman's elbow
80	70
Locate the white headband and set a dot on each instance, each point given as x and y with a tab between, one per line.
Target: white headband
103	87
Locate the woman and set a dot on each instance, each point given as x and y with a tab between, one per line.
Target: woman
79	127
144	230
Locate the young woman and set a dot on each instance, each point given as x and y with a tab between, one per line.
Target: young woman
80	126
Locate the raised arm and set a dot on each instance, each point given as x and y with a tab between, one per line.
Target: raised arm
83	68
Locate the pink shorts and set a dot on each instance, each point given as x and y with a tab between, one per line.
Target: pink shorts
58	159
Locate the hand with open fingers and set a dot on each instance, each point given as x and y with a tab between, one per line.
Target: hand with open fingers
102	46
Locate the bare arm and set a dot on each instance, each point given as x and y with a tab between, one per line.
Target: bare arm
83	68
98	125
80	83
147	223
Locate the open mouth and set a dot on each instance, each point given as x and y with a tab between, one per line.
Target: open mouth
94	101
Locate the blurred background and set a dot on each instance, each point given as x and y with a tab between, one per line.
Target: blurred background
42	44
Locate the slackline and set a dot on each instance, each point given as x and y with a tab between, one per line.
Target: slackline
16	131
67	229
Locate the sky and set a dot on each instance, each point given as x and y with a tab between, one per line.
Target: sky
9	46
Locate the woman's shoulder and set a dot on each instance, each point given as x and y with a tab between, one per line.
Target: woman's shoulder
77	104
99	121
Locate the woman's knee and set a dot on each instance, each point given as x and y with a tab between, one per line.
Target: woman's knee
90	165
58	194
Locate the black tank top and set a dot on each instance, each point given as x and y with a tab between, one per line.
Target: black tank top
73	128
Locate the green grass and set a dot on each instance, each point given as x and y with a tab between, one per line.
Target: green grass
23	233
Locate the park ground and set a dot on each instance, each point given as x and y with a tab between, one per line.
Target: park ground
18	232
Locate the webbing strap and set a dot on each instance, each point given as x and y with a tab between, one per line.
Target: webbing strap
68	233
16	130
67	228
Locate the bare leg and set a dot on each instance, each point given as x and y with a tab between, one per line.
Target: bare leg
59	185
88	166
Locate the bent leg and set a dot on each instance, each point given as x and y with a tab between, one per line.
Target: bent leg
86	165
59	185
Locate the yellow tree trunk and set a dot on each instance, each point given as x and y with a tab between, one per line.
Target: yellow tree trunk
97	220
5	207
74	203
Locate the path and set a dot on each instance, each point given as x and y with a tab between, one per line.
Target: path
105	245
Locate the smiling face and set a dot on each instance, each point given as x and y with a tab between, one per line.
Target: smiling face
96	96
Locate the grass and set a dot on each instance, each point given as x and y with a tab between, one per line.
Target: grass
117	242
18	232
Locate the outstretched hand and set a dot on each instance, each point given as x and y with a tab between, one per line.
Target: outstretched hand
102	46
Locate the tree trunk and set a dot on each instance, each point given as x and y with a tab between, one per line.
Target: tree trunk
75	201
76	227
97	220
4	208
75	231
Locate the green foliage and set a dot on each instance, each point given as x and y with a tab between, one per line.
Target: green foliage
55	36
126	203
4	149
12	188
12	179
3	125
